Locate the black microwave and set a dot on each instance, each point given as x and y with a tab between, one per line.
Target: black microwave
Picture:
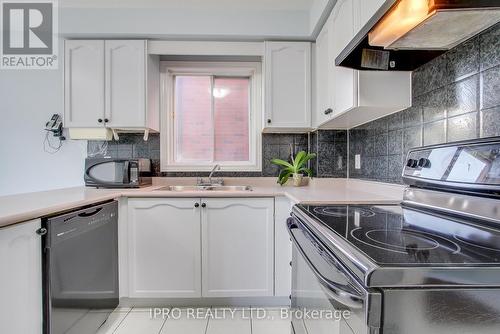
117	173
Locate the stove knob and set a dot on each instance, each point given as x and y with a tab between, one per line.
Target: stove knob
412	163
424	163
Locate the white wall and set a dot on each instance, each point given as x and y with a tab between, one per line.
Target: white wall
180	23
27	100
319	13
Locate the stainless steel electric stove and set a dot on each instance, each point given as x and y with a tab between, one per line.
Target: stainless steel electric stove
430	264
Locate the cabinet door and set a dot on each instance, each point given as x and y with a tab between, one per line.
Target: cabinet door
164	248
21	279
282	248
345	79
126	83
325	64
366	10
84	83
288	84
237	247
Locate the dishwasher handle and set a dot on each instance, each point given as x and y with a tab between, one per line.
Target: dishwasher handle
345	295
90	213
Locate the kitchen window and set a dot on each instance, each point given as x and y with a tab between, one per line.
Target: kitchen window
211	114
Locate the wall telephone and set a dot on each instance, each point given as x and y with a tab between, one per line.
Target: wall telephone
54	125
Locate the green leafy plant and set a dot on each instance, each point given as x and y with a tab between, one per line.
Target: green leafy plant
296	167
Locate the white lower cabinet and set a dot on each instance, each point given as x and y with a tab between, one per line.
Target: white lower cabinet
238	247
21	279
200	247
164	248
282	248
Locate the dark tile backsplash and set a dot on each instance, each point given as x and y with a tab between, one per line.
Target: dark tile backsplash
130	146
455	97
281	146
331	148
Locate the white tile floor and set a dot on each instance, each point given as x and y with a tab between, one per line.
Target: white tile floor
235	321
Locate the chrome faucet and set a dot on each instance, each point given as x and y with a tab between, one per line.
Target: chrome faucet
210	181
212	172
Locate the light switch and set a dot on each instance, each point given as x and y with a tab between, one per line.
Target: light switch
357	161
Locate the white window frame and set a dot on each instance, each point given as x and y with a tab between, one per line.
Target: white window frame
168	71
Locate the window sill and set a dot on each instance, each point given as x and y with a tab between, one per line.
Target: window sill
194	168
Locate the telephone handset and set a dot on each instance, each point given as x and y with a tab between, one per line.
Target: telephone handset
54	123
55	126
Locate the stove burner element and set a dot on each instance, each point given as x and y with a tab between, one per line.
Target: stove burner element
341	211
475	244
409	242
402	240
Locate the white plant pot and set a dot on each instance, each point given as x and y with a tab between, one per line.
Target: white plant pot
297	180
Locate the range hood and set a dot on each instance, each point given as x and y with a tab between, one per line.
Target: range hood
405	34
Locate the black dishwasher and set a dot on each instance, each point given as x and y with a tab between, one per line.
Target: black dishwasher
80	269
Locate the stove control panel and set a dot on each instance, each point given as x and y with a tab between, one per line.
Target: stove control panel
411	163
472	163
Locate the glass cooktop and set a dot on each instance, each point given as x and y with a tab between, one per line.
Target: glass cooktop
394	235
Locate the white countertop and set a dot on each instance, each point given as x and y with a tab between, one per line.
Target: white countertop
22	207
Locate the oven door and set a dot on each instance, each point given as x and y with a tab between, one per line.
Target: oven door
325	297
109	173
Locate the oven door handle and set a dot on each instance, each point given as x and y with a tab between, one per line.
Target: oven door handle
351	299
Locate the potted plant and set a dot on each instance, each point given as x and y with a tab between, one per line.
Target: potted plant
296	169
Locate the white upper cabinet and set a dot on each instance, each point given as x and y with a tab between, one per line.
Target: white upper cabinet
84	83
345	83
324	75
125	76
164	247
344	24
287	85
357	96
238	253
366	10
114	83
21	279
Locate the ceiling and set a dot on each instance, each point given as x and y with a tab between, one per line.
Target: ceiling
300	5
235	20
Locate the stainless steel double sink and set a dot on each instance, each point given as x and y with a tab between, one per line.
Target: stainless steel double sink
205	188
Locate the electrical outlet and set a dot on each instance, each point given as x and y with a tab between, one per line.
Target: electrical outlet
357	218
357	161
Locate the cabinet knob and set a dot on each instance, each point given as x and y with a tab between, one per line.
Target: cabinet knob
99	120
203	205
196	205
106	120
41	231
268	121
328	111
